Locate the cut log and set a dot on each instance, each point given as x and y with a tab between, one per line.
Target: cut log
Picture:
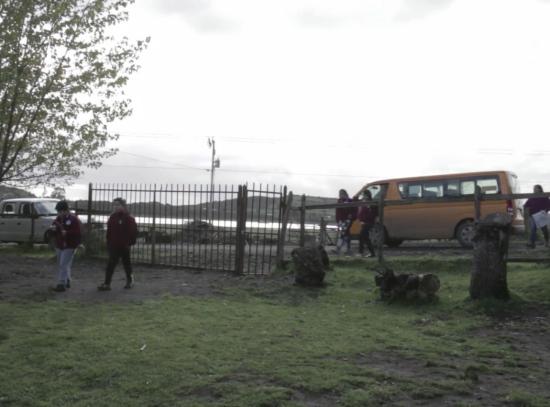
310	265
406	286
489	273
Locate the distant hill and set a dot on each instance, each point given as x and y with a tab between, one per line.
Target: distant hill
11	192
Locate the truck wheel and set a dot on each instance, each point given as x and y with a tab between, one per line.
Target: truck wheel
465	234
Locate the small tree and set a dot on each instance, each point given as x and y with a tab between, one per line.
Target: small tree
61	83
58	193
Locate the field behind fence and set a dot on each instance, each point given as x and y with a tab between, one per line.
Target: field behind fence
226	228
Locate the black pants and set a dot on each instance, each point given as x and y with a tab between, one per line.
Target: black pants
365	238
114	255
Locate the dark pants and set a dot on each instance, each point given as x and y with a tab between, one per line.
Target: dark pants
365	238
114	256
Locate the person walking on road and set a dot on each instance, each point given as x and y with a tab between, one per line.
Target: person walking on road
344	220
538	216
121	235
367	216
67	238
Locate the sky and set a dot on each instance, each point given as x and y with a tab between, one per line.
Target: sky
321	95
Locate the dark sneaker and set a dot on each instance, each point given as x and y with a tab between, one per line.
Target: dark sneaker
104	287
59	288
129	283
68	283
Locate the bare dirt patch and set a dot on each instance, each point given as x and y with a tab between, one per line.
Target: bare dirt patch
29	278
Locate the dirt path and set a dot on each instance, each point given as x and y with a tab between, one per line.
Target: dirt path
27	278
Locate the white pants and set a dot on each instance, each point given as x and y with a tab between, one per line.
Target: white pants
64	261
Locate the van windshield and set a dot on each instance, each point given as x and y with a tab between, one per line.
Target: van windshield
374	190
45	208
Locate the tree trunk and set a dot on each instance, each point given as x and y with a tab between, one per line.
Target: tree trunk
488	279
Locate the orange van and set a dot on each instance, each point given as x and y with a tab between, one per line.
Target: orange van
439	220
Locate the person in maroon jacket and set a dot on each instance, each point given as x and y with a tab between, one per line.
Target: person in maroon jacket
344	220
67	238
367	216
536	207
121	234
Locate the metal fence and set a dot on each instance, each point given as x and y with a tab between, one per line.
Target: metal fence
226	228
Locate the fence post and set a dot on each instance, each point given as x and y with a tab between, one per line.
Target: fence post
287	205
322	232
89	211
153	227
382	239
31	243
527	224
242	198
477	203
303	221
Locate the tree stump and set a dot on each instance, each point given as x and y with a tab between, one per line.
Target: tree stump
406	286
488	279
310	265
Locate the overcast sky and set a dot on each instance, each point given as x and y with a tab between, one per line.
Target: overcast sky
323	94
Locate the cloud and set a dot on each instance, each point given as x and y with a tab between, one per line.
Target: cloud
315	18
200	14
413	9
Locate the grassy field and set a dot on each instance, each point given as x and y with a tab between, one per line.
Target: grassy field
274	344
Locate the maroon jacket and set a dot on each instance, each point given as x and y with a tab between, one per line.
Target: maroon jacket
367	214
343	214
121	231
71	225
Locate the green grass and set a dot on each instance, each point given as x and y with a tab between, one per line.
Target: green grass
265	345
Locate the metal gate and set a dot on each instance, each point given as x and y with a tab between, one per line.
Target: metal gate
226	228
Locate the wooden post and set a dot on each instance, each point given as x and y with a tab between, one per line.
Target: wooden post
154	227
489	273
322	232
240	243
284	224
89	212
527	224
33	218
477	203
381	222
303	221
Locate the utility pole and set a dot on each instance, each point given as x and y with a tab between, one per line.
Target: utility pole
215	163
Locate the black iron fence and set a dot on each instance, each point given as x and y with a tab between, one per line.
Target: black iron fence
226	228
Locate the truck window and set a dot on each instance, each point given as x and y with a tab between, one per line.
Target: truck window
8	209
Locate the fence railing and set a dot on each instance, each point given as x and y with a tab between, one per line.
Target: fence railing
226	228
476	199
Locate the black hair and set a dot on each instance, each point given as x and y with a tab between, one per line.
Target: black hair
539	187
62	206
121	201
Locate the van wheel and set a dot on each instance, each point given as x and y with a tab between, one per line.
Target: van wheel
465	234
394	242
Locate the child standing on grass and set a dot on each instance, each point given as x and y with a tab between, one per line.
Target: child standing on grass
121	235
67	239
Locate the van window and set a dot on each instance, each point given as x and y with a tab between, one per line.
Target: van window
467	187
432	189
488	185
374	190
414	191
452	188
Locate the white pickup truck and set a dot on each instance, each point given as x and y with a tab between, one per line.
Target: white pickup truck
18	215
